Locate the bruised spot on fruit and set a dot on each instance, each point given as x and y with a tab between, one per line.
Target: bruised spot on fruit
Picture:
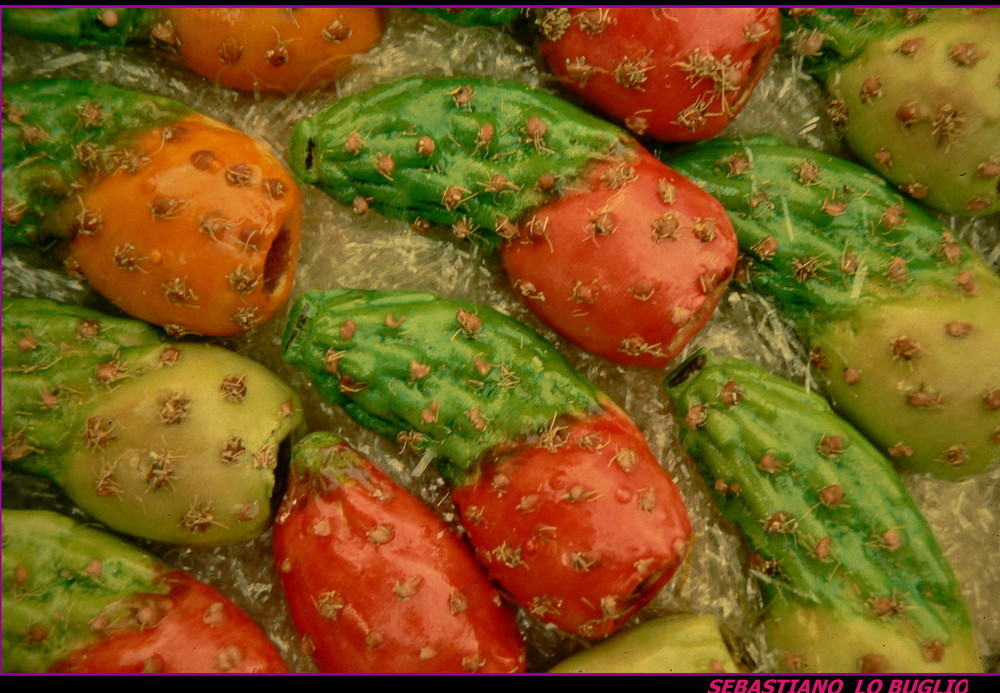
818	359
852	376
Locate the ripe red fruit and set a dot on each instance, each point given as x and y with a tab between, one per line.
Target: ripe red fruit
565	497
190	630
678	74
377	582
629	265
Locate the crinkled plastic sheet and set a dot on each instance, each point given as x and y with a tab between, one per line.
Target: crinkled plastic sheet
340	249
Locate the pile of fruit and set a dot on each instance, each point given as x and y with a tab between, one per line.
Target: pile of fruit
494	340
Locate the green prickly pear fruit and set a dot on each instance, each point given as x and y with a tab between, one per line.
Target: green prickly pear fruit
917	103
902	318
79	600
853	577
681	644
564	502
173	442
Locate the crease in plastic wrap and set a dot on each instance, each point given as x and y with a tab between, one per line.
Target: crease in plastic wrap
340	249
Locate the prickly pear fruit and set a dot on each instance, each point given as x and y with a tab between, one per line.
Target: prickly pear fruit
902	318
173	442
259	49
685	643
917	103
854	578
677	74
562	498
376	582
178	219
590	226
78	600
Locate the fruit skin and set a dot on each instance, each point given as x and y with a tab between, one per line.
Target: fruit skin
683	643
253	49
631	277
852	574
677	74
558	490
902	318
165	441
917	103
78	600
554	189
178	219
376	581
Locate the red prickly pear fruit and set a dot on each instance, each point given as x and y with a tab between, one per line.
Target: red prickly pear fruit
80	600
630	273
678	74
560	494
377	582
